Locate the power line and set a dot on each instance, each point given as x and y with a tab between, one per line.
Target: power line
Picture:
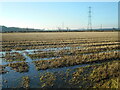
89	27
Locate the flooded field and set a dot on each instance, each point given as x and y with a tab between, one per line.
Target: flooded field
60	60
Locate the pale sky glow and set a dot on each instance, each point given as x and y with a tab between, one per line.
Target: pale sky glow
50	15
59	0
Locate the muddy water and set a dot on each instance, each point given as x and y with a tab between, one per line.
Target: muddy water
31	51
14	79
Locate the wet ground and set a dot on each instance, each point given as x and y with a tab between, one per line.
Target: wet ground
14	79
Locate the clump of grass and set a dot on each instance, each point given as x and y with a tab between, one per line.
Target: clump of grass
26	82
111	83
76	60
47	80
22	41
19	67
10	57
96	49
42	55
97	76
2	69
76	77
104	74
75	52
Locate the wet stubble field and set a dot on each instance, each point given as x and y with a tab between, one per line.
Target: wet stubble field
60	60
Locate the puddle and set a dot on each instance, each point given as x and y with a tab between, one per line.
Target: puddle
28	60
31	51
14	79
2	54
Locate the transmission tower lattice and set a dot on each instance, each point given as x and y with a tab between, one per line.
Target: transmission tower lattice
89	27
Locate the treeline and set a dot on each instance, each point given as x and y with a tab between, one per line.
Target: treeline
17	29
5	29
